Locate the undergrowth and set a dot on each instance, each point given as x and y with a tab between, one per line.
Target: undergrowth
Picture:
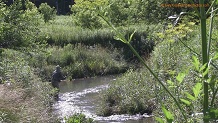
173	53
25	89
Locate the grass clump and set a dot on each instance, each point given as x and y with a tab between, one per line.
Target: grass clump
79	118
7	116
132	93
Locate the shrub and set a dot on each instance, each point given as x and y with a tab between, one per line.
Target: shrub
18	25
47	12
122	12
84	13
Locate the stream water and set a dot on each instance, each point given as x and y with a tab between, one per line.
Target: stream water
82	96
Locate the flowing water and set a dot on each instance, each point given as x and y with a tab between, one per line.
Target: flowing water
82	96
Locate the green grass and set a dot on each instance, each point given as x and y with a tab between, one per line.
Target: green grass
85	61
78	118
62	31
131	93
23	93
169	60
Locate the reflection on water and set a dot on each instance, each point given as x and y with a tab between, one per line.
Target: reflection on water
82	96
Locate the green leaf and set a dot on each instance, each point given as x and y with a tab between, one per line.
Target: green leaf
196	62
168	114
205	72
215	57
159	120
130	38
186	101
118	38
170	82
189	96
203	67
180	77
197	89
213	113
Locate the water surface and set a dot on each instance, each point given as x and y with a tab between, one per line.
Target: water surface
82	96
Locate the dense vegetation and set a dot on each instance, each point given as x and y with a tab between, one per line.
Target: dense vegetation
34	40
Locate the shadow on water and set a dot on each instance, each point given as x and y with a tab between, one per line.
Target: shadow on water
82	96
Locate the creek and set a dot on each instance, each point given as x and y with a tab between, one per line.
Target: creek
82	96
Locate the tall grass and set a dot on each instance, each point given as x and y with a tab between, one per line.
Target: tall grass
85	61
131	93
66	33
167	60
24	97
178	91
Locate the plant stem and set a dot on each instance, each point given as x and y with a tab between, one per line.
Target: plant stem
204	54
210	33
155	76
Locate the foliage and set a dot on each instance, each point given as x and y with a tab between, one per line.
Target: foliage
78	118
65	33
81	61
48	12
32	96
174	93
18	25
83	10
7	116
123	12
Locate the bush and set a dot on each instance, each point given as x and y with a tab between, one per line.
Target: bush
122	12
47	12
84	13
19	26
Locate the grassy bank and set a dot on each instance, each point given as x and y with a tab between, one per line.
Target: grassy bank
24	97
62	31
78	61
172	60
